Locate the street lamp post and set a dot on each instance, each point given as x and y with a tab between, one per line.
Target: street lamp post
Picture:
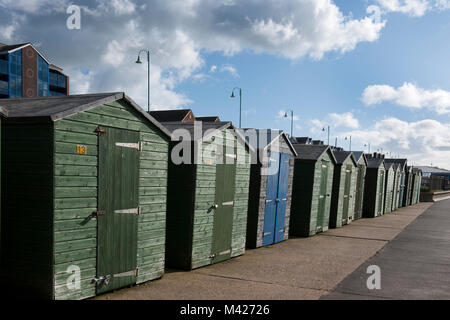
350	142
240	104
138	61
368	144
292	121
328	134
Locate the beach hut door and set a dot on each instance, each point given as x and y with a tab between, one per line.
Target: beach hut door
280	224
224	214
118	209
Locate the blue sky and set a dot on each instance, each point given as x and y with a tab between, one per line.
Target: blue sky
378	75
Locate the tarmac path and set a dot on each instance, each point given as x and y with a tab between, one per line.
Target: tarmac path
414	266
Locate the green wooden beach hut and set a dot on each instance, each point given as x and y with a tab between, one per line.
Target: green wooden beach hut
402	167
374	186
360	180
389	187
417	183
311	191
397	181
344	187
208	189
408	186
88	175
272	173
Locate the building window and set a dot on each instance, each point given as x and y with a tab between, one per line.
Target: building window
43	75
15	74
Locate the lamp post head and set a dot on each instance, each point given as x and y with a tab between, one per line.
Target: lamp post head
138	61
233	95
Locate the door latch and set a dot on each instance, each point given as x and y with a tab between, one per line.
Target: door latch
213	256
213	207
102	281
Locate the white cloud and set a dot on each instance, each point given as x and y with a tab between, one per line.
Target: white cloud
335	120
410	96
422	142
213	69
415	8
346	120
179	32
230	69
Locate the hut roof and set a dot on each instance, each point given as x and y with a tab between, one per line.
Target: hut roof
342	156
173	115
270	137
209	129
401	162
375	162
55	108
311	152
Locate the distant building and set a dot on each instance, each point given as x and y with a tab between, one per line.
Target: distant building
433	171
27	73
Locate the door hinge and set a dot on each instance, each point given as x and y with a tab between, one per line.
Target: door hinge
213	256
228	204
100	130
137	146
136	211
98	213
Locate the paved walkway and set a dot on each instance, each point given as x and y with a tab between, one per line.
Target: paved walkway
293	270
414	266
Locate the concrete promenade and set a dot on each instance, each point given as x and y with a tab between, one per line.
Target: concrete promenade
312	268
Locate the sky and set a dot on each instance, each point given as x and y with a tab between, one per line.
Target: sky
373	70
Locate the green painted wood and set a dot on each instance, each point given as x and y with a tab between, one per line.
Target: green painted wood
223	215
118	189
360	181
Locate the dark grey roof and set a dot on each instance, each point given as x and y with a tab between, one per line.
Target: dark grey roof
374	162
208	119
211	127
170	115
310	152
342	156
360	155
54	108
401	162
389	165
301	140
190	126
265	138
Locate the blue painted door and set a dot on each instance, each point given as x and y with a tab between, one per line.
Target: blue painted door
283	182
276	198
271	199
